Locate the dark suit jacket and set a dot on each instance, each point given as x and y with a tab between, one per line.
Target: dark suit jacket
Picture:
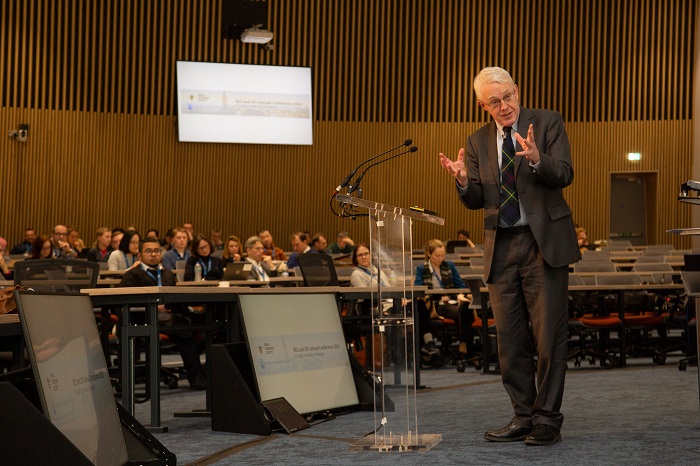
540	192
139	277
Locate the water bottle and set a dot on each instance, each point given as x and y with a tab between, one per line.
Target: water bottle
198	272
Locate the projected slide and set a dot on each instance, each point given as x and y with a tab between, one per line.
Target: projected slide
220	102
297	350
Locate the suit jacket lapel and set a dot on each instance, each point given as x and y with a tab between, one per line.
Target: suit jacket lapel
523	124
492	152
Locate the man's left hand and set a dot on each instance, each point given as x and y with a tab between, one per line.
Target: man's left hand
529	151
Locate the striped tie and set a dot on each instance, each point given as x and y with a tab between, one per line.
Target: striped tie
510	207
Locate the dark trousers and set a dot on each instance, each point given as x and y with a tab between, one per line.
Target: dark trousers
526	292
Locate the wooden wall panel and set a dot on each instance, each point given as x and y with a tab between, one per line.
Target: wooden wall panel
96	83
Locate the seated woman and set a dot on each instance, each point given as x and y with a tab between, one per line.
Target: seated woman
42	248
233	251
127	256
200	254
463	235
102	247
439	273
4	265
583	243
365	275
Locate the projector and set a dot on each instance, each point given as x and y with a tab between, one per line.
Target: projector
256	36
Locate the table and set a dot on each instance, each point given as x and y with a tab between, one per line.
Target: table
149	297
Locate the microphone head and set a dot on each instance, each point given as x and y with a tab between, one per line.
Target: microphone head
413	149
407	142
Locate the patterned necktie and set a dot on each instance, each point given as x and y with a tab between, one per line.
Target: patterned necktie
510	207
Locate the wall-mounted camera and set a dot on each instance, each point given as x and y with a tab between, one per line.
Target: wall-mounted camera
21	133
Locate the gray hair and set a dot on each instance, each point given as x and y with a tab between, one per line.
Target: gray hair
250	242
490	75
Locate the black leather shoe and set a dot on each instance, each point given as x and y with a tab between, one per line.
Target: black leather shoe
542	434
510	433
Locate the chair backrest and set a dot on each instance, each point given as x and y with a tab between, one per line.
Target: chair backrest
660	247
603	254
652	267
468	250
318	269
478	261
622	278
594	266
344	272
474	285
452	257
649	258
576	280
63	275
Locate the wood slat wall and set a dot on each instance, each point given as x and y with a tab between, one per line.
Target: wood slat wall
96	83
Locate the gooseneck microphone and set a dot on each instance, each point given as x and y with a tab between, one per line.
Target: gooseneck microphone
347	179
353	187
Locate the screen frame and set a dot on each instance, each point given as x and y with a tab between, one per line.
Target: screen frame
273	135
247	339
23	310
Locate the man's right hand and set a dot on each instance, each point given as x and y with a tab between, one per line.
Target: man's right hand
456	168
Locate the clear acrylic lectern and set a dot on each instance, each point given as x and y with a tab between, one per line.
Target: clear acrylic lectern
394	358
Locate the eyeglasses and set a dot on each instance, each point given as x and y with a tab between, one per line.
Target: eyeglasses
59	233
495	103
363	254
150	252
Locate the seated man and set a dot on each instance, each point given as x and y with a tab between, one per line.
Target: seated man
263	268
269	248
318	243
151	273
178	251
300	245
342	245
59	243
25	247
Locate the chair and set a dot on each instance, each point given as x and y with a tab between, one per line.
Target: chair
592	325
620	245
603	255
594	266
642	314
488	350
318	269
652	267
468	250
477	261
649	258
62	275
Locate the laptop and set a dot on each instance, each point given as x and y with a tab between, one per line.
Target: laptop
238	271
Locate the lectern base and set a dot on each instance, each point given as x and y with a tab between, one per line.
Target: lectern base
394	442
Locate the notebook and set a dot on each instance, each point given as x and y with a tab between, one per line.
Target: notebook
238	271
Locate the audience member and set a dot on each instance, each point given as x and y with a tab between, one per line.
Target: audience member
25	247
437	273
169	237
318	243
151	273
189	229
117	235
127	256
300	245
200	254
342	245
463	235
61	249
153	233
42	248
217	239
583	243
233	251
269	246
102	248
4	266
365	275
76	243
263	268
178	250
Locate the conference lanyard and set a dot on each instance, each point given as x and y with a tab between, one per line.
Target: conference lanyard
158	280
437	277
205	268
372	275
261	271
